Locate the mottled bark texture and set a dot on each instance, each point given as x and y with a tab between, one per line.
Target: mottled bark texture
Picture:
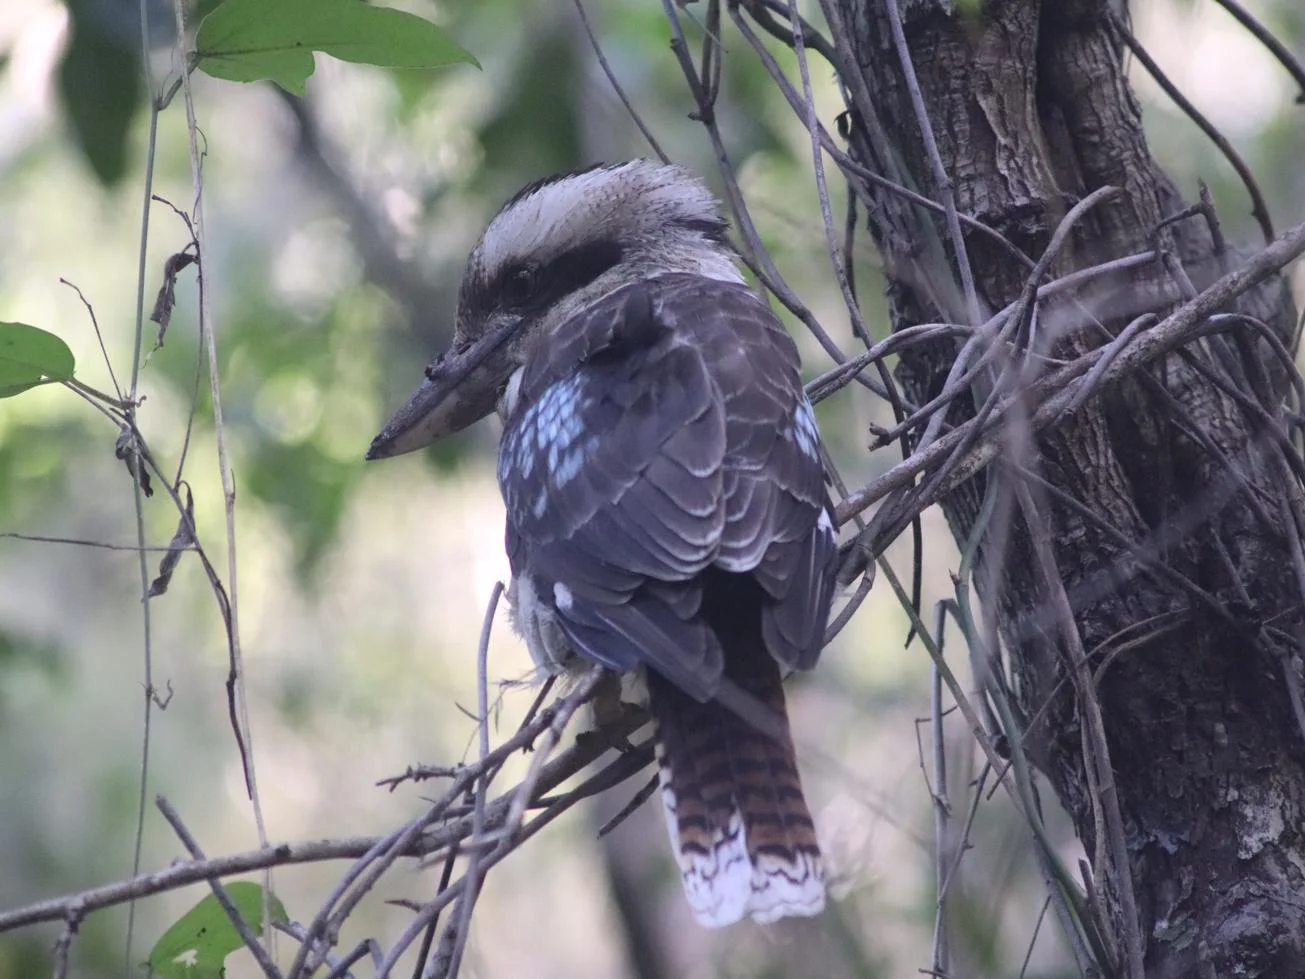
1032	111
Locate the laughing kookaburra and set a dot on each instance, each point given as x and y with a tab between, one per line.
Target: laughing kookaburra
666	502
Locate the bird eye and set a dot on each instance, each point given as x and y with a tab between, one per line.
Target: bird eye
519	287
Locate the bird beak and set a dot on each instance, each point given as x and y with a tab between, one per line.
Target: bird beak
462	386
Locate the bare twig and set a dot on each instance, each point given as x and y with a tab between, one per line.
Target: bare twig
471	889
1096	752
103	545
223	896
63	946
942	810
339	966
1259	209
752	251
409	843
942	180
1181	326
507	811
423	954
636	800
1279	50
99	337
992	527
615	82
192	247
812	123
1033	939
1092	379
208	337
311	953
852	170
138	493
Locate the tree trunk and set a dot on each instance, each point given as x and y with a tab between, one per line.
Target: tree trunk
1166	500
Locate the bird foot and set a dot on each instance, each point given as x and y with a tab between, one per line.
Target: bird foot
601	739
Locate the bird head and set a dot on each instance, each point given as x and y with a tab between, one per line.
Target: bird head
559	245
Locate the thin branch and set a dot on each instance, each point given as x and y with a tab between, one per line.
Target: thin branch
208	336
942	180
99	337
1279	50
1052	394
339	966
753	252
1066	899
315	943
223	896
799	32
1259	210
1097	767
942	809
615	82
508	815
63	946
416	844
1021	314
1033	939
1087	388
471	890
138	493
851	169
627	810
43	539
193	247
446	875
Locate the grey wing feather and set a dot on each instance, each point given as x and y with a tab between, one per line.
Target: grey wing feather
658	436
777	517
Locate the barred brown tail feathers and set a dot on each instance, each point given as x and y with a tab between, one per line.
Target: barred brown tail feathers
740	827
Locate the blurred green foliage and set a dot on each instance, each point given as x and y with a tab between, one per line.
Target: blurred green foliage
100	81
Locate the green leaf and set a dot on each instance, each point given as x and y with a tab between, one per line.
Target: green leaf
197	946
203	8
100	85
250	40
29	356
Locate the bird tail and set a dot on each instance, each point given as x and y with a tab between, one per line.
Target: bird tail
740	827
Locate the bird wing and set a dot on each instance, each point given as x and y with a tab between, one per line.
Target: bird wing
659	433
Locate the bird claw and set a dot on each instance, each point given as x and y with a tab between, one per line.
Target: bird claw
600	740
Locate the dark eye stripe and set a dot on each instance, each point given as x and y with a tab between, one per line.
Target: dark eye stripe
572	270
709	228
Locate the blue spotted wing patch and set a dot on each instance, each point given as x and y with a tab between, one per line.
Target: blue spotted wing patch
803	429
546	447
621	459
659	434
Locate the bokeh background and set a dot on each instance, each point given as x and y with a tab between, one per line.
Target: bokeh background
338	225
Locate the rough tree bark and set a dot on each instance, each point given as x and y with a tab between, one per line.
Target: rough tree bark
1032	111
